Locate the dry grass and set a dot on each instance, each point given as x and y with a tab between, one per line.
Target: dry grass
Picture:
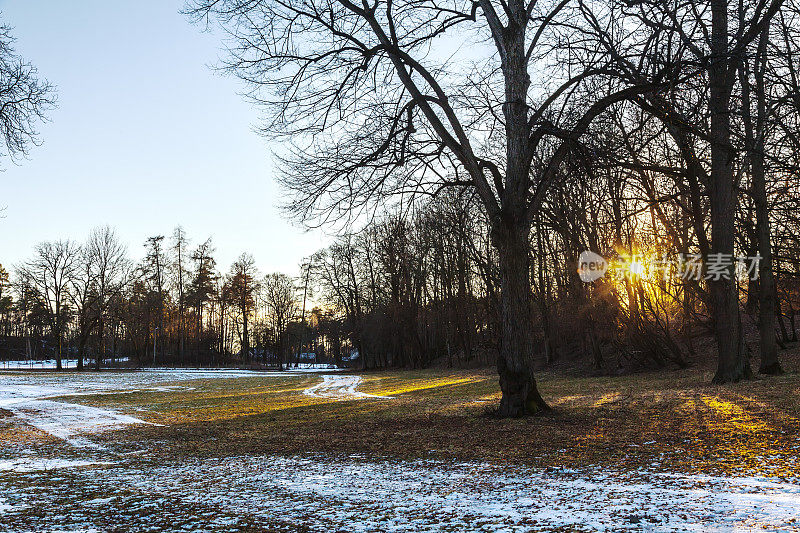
671	418
675	419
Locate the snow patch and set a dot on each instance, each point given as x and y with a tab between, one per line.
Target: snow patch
36	465
30	396
67	421
322	493
339	388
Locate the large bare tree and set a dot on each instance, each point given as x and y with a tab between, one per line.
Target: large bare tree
388	98
110	270
242	288
280	297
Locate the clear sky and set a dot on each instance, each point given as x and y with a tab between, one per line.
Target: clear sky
146	136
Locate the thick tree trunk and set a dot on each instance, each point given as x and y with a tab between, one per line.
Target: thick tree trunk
511	227
732	361
515	361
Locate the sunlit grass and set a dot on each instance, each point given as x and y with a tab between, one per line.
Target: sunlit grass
670	418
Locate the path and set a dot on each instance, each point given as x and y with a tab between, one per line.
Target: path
339	388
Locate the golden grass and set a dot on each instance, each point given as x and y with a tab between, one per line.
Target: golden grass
674	419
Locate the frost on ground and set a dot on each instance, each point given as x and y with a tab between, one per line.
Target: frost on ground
29	397
69	421
339	388
322	493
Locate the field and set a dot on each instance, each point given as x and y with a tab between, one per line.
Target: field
402	451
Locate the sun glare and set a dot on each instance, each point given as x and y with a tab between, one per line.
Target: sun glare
636	267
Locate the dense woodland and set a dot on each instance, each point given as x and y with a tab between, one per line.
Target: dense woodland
466	182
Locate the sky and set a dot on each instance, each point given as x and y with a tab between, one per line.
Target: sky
146	136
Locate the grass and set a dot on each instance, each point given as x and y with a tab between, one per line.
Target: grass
674	419
665	421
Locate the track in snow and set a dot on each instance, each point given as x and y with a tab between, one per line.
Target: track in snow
339	388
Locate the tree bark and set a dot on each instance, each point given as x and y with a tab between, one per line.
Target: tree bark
100	346
732	361
766	280
515	361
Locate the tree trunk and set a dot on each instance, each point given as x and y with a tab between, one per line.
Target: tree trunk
59	327
82	348
766	280
515	361
732	361
58	354
100	346
245	339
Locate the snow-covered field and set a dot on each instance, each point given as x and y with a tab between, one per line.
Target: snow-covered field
79	486
37	364
50	364
29	396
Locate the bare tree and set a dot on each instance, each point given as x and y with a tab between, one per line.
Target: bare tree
282	304
24	99
242	288
179	242
51	272
376	108
110	270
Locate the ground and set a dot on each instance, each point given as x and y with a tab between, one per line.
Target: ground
400	451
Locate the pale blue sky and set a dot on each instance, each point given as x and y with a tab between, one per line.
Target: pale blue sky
146	136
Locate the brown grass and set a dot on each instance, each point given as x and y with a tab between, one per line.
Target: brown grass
674	419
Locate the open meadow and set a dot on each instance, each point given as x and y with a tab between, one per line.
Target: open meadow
232	450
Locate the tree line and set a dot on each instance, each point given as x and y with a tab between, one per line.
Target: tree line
91	302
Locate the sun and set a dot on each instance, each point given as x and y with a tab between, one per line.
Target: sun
636	267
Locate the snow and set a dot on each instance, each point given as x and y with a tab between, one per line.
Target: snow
31	397
429	496
67	421
339	388
39	398
326	493
40	464
5	507
50	364
313	367
29	400
90	487
37	364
